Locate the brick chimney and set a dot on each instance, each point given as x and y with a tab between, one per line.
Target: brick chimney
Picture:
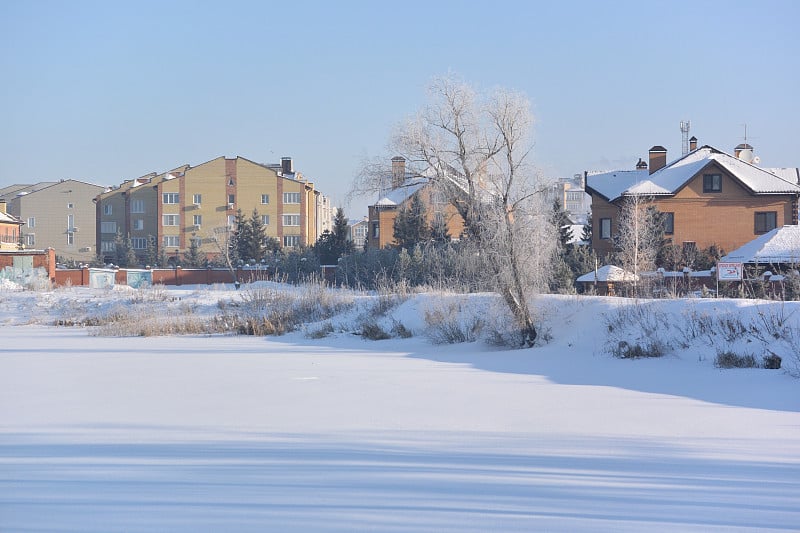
398	171
287	165
693	144
641	165
658	158
3	207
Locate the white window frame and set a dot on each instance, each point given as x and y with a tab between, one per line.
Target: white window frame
138	224
264	199
171	220
265	220
170	198
291	241
139	243
172	241
30	239
137	205
108	209
197	220
291	198
291	220
31	222
108	246
197	199
109	226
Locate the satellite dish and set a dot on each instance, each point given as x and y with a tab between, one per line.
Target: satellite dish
756	160
746	155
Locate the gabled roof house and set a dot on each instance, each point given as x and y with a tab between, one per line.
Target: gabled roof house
9	229
709	197
404	185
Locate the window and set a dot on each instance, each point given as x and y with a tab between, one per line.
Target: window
265	220
231	221
291	220
70	239
70	206
712	183
31	222
107	209
766	221
107	246
605	228
265	198
170	198
30	239
196	241
137	206
197	220
108	227
669	223
138	224
139	243
291	197
70	223
376	230
231	199
172	241
197	199
171	220
291	241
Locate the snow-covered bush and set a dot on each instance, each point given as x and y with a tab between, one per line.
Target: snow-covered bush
641	329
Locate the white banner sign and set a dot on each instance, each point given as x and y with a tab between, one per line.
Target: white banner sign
729	271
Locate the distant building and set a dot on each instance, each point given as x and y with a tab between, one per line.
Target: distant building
404	185
359	230
709	197
200	204
572	197
58	215
9	229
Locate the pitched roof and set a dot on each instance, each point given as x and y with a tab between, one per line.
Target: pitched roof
669	179
607	273
400	194
7	218
781	245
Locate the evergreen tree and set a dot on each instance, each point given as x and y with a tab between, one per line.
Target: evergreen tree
151	253
130	254
341	234
440	234
120	250
194	258
562	222
586	235
410	225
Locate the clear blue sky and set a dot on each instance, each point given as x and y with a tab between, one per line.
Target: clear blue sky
106	91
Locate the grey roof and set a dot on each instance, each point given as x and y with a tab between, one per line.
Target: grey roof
669	179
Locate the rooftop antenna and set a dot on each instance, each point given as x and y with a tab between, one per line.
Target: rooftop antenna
684	137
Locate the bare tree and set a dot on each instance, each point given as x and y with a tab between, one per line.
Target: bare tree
639	237
475	148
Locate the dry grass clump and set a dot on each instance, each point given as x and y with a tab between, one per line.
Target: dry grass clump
448	323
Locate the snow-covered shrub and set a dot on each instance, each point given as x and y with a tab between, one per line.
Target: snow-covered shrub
638	350
730	359
373	331
320	332
639	330
448	322
772	361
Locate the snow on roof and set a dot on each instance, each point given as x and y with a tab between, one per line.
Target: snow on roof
8	219
607	273
670	178
781	245
401	194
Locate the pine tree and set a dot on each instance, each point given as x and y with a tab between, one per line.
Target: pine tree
151	253
440	233
410	225
341	234
562	222
194	258
130	254
586	234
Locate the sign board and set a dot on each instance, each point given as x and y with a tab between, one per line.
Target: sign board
729	271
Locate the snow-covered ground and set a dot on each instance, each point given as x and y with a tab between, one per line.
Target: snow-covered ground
238	433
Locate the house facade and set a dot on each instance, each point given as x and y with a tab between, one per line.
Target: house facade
10	229
200	204
405	185
58	215
709	197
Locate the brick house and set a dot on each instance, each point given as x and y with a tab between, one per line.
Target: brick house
709	197
194	203
405	185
